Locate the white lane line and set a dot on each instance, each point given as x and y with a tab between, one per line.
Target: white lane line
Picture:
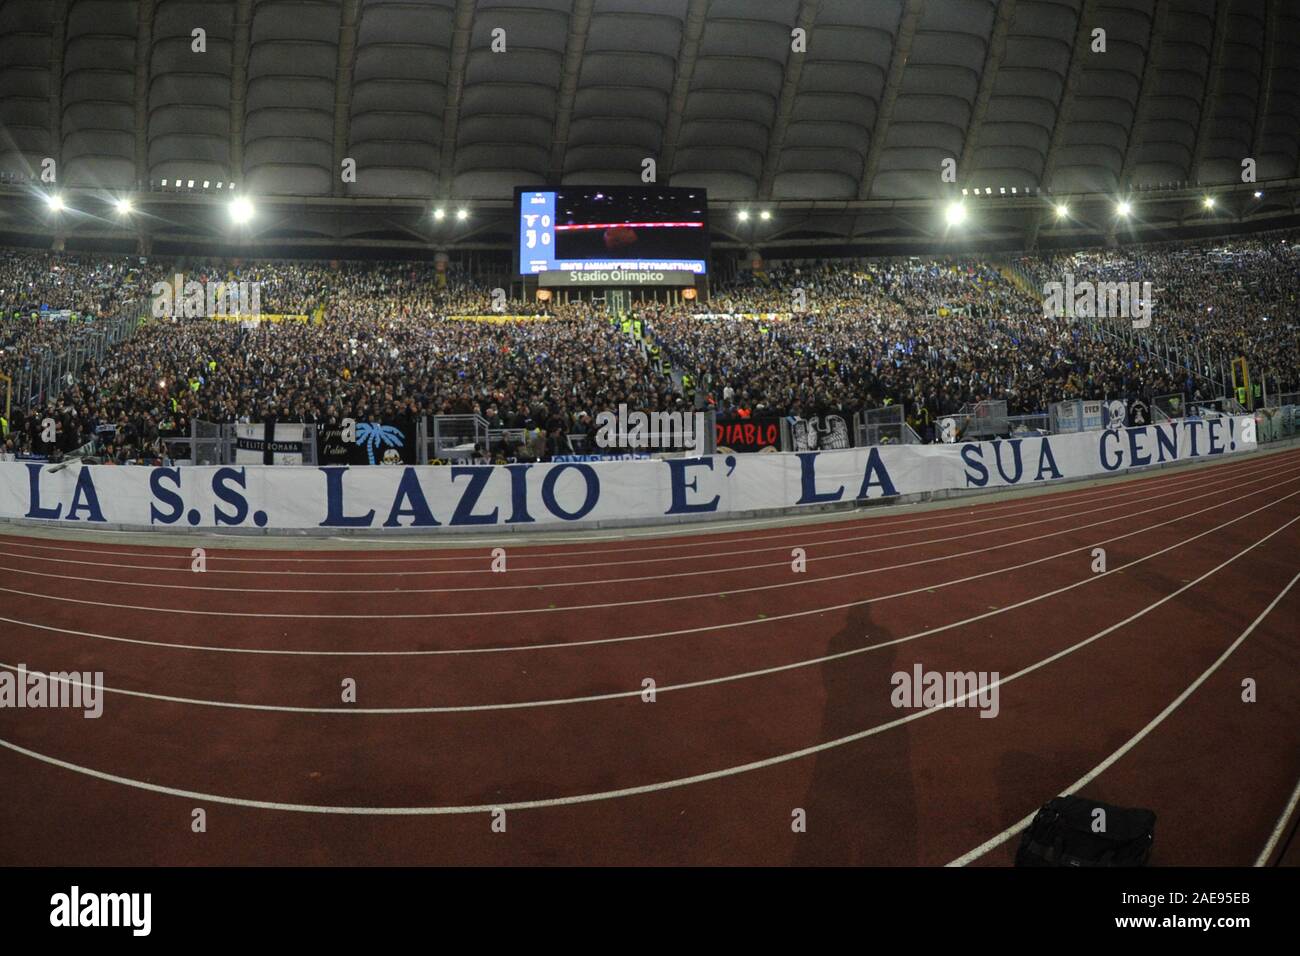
509	648
515	612
548	569
1266	854
1097	771
471	548
726	678
643	788
835	523
1176	492
615	535
183	560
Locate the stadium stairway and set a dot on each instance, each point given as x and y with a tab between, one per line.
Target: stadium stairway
1159	351
1018	279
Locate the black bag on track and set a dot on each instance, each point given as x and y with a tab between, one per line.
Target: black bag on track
1061	834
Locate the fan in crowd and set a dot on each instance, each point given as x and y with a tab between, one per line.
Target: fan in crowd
1237	298
554	376
939	335
930	334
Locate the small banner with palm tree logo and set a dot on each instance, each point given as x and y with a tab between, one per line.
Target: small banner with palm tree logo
378	443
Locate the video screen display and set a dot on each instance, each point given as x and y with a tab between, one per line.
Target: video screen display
593	228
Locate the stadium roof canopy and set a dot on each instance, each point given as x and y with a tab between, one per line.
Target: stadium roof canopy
840	110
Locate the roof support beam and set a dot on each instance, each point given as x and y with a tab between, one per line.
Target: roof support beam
807	16
579	26
902	49
464	25
239	87
988	79
143	49
1265	78
1082	43
1213	79
1154	42
58	39
691	35
412	229
349	20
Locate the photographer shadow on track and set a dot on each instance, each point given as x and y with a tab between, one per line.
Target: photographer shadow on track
861	802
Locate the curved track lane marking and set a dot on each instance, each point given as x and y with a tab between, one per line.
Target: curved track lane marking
513	612
1097	771
724	679
185	558
605	640
1221	481
871	518
593	641
833	525
603	795
1275	837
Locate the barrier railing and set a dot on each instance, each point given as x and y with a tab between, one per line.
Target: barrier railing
987	419
212	443
209	444
46	372
454	436
1276	424
1166	407
884	426
506	440
1029	424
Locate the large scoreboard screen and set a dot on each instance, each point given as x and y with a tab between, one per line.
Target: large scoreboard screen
583	235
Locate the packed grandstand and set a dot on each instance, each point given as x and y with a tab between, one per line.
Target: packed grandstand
802	339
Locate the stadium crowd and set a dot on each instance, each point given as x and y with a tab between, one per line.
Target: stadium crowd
934	336
1211	299
929	334
552	376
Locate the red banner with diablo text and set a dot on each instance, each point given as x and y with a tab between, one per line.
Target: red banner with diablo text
756	433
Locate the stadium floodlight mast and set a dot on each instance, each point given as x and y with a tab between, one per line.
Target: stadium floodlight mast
1123	208
241	210
1062	210
1208	202
123	206
955	213
55	202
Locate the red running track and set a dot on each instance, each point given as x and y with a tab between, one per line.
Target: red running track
510	718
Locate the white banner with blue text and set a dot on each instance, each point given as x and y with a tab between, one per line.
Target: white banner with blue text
563	493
